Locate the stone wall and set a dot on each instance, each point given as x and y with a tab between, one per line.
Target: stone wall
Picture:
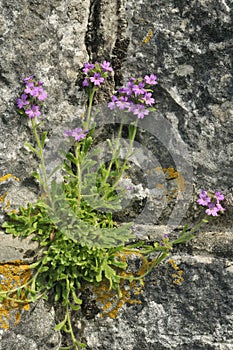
189	46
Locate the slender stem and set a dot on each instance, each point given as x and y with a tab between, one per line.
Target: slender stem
114	153
79	175
183	236
202	222
91	95
71	328
127	154
43	178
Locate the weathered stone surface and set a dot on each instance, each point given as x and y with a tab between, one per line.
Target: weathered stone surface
193	314
189	46
16	249
197	314
34	332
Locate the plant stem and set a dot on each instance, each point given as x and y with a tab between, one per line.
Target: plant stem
91	95
185	236
132	137
79	174
71	328
42	179
114	153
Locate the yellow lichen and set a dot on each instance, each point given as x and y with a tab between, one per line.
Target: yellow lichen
12	275
170	174
148	36
6	203
178	276
3	197
7	177
110	300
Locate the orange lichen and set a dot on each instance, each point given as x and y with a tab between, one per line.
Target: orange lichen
178	276
148	36
7	177
6	203
3	197
12	275
110	300
170	174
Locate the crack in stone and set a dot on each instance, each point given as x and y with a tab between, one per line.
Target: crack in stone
106	36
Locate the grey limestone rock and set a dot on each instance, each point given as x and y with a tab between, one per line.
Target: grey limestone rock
188	44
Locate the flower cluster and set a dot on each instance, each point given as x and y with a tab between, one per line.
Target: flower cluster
77	133
95	74
32	97
136	96
212	201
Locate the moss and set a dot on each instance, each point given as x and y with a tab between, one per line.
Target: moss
12	275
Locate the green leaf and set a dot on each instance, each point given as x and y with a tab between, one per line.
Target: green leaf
74	307
60	325
34	150
43	138
76	299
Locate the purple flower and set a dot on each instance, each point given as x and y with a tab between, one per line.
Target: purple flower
134	97
148	99
39	93
97	79
203	194
42	95
212	210
22	101
30	87
204	199
122	103
130	83
67	133
128	188
77	133
140	111
150	79
166	236
87	67
25	80
33	112
85	82
219	196
220	208
125	90
111	105
139	89
106	66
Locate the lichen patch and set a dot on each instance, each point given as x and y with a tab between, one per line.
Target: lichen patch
12	275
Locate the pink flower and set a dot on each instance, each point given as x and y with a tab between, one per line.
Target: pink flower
97	79
148	99
212	210
33	112
219	196
151	80
140	111
87	67
106	66
22	101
